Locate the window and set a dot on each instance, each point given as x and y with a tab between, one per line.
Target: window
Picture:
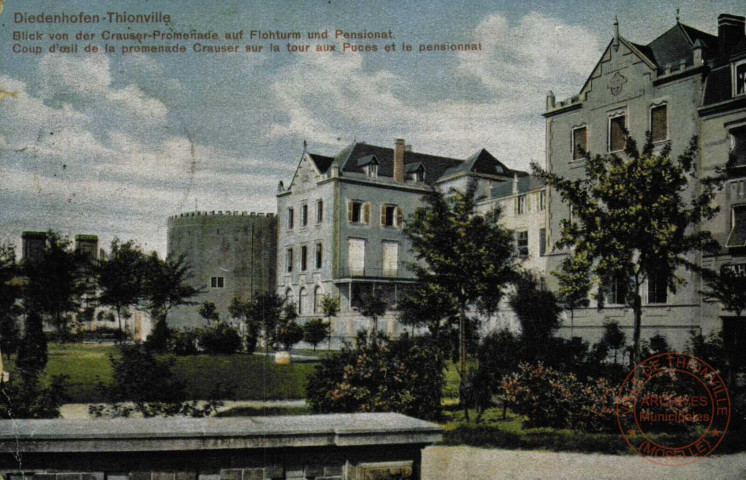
319	211
390	258
289	297
617	291
318	297
291	218
739	83
657	288
391	216
737	155
304	215
356	256
304	258
522	244
319	255
542	241
579	142
371	170
289	259
302	301
542	200
217	282
737	237
358	212
617	125
520	205
659	123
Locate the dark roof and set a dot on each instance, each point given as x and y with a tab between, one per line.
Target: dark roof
366	160
348	159
718	86
676	44
526	183
322	163
481	162
413	167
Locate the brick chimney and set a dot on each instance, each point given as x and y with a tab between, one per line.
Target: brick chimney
400	147
730	32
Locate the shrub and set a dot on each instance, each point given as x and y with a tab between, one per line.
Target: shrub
28	398
315	331
380	375
221	339
184	342
160	338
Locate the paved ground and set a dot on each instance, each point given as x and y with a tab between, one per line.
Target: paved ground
469	463
79	411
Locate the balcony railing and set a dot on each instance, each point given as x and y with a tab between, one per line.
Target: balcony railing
368	272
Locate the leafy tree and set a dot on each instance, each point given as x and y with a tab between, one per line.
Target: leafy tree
9	293
330	307
613	337
55	281
537	309
465	258
289	334
574	284
428	305
209	312
29	398
373	307
728	288
241	310
659	344
160	337
380	375
184	341
121	276
166	284
498	355
265	312
32	353
315	331
632	220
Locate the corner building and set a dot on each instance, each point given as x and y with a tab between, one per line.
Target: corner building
340	225
659	87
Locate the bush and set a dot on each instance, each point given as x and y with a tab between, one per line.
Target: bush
315	331
160	338
32	353
28	398
380	375
221	339
184	342
549	398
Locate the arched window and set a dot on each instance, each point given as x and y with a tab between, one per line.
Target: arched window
289	297
303	301
318	295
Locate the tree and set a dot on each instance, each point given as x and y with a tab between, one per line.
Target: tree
467	259
29	398
428	305
9	293
160	337
330	308
166	284
241	310
632	222
373	307
613	337
315	331
538	311
209	312
265	313
55	282
32	353
574	285
221	339
121	277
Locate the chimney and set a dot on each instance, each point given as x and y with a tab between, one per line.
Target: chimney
400	147
615	44
515	183
730	32
551	100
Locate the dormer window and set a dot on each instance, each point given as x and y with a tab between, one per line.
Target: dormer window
371	170
739	78
416	172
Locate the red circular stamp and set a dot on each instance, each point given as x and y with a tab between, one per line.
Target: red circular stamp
673	409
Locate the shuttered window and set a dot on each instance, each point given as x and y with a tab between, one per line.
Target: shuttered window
737	237
659	123
358	212
616	133
356	256
390	258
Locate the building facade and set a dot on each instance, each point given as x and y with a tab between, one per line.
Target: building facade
657	88
340	225
231	254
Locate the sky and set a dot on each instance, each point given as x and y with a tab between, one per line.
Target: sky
113	144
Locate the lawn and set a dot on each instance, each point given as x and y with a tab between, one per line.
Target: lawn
249	377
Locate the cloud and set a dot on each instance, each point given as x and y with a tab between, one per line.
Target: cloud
134	100
74	74
536	54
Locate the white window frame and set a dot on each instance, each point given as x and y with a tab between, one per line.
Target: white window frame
735	78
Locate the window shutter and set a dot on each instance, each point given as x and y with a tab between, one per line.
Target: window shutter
366	217
399	217
349	212
659	123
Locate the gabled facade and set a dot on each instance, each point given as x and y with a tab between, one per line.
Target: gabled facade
659	87
340	224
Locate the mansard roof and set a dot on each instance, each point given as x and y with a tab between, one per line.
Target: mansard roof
676	44
481	162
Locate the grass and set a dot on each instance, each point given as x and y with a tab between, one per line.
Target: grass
252	376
